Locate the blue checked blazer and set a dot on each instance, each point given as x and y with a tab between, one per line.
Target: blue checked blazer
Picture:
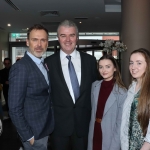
30	106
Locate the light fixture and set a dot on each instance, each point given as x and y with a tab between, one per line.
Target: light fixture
8	24
80	22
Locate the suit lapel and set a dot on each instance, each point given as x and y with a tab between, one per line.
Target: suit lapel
83	73
111	99
96	90
60	72
36	68
47	70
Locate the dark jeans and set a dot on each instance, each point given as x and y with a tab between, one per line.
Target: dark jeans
5	93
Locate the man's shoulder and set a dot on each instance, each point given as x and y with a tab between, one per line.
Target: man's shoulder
51	57
88	56
24	62
2	70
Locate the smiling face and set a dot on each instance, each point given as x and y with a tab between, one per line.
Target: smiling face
106	69
67	37
137	65
37	42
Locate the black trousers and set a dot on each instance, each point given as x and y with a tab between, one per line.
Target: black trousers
72	142
5	93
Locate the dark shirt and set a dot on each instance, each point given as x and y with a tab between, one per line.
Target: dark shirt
4	75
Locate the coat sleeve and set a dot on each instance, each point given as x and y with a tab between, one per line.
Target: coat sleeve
116	143
91	125
147	137
18	82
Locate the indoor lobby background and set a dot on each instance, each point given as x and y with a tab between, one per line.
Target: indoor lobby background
129	18
98	20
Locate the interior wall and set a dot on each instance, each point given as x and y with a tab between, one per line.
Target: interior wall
4	45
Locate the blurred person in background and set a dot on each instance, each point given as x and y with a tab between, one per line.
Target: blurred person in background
4	75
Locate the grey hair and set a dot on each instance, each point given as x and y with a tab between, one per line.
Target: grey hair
68	23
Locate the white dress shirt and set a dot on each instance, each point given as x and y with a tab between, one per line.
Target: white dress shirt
76	60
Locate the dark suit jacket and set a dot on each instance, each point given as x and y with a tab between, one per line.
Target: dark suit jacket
70	117
29	100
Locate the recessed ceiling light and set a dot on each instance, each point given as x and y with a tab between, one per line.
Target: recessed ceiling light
27	28
80	22
8	24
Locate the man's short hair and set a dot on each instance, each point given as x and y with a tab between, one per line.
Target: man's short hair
36	27
7	59
68	23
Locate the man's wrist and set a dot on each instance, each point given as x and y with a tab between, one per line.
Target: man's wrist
30	138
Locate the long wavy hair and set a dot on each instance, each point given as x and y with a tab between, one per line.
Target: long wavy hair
117	75
144	98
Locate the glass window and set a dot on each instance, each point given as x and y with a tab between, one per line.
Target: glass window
98	54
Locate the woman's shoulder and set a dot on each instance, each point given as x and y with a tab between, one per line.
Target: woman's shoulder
120	90
97	82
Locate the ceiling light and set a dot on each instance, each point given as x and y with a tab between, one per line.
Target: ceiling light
8	24
80	22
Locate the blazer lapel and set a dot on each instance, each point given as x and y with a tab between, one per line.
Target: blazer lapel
111	99
47	70
36	68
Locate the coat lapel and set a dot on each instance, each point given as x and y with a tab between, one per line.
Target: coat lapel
111	99
96	90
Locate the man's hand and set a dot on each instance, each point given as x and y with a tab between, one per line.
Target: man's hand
32	141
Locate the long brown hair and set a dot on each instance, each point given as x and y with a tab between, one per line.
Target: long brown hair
117	75
144	98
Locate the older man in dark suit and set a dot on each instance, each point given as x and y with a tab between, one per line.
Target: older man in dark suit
72	74
30	106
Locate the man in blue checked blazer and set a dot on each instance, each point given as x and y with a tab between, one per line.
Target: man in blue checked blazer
30	106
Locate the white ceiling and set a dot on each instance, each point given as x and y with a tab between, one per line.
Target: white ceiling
98	20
